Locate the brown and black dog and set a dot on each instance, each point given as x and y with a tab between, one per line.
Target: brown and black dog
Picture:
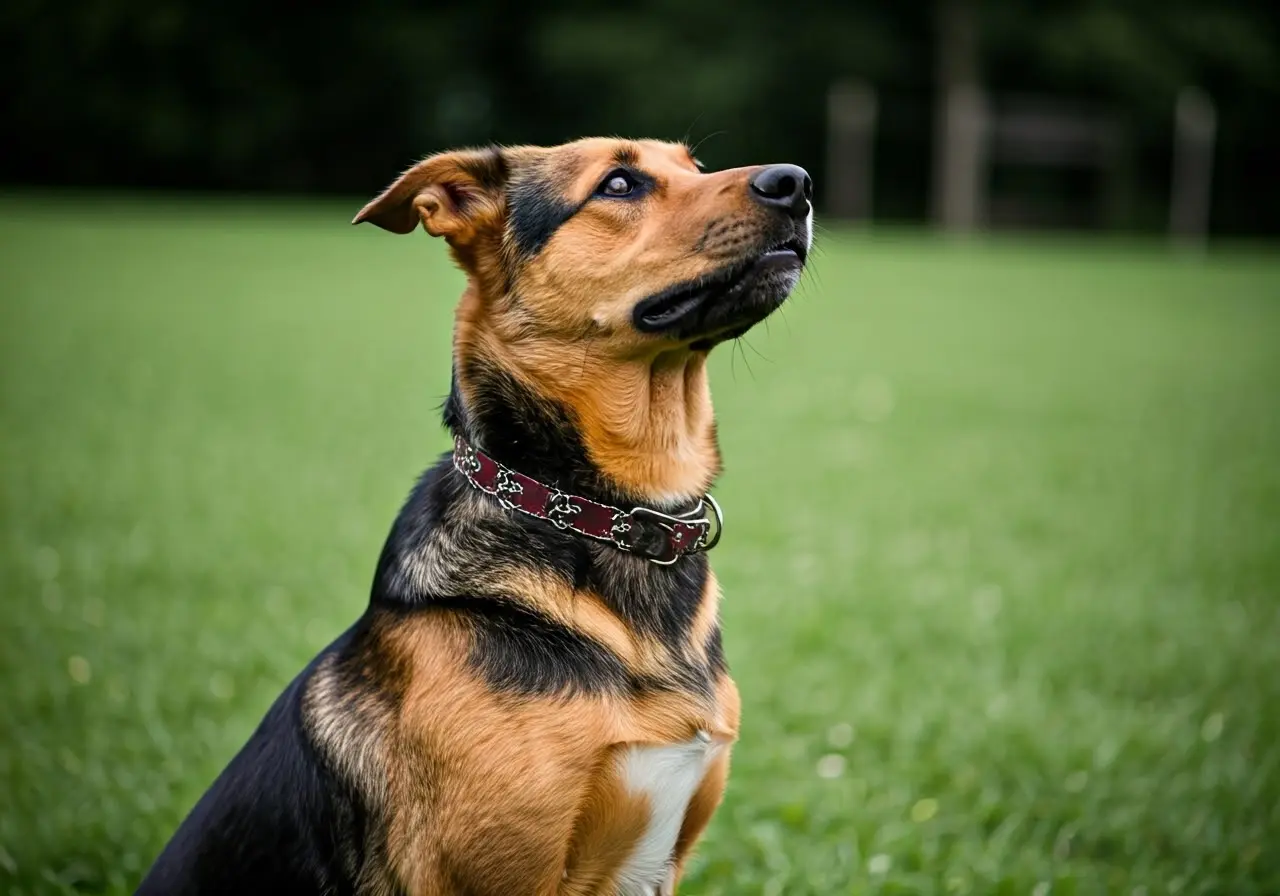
536	700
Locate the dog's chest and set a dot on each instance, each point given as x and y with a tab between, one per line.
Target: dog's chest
666	776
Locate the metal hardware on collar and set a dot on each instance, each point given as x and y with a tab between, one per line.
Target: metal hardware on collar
561	510
719	515
464	458
507	485
676	533
685	533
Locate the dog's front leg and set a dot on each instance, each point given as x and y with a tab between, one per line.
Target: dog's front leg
703	805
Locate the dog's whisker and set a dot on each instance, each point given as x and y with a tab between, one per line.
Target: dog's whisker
745	359
694	149
759	354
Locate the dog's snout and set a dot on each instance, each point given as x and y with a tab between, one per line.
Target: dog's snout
787	188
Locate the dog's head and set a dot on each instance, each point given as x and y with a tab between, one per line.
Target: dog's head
629	242
600	274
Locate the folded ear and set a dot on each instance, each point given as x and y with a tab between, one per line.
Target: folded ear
454	195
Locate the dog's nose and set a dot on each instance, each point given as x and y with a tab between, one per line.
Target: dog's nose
785	187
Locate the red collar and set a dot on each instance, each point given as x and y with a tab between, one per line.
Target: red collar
654	535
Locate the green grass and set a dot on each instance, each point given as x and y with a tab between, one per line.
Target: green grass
1001	571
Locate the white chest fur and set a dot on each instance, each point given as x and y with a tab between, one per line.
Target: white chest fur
668	775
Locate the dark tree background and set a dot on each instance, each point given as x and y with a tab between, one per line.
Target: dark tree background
328	97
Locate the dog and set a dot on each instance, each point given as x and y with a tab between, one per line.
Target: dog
536	700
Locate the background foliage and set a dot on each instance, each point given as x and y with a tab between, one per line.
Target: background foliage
337	97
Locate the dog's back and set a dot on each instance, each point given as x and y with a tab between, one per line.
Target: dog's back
277	820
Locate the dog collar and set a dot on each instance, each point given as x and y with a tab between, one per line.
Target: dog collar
658	537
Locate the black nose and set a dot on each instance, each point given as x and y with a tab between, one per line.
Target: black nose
785	187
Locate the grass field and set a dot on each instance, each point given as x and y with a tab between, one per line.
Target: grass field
1001	571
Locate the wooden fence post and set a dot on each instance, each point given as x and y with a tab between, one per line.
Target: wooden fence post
851	131
1195	127
960	128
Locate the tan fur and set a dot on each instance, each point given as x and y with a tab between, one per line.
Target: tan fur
496	794
707	618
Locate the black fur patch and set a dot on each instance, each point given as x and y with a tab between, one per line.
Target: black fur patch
517	649
538	207
524	431
474	546
660	601
627	157
488	167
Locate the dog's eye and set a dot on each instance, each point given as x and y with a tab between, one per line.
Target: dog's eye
618	183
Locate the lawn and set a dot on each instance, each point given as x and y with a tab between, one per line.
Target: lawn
1001	568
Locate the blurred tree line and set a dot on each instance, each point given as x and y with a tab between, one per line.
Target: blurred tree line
331	97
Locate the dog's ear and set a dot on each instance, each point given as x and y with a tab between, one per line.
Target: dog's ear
454	194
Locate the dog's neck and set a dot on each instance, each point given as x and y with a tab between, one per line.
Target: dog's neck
639	430
592	428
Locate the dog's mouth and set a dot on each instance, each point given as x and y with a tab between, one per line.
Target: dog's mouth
666	308
744	292
795	246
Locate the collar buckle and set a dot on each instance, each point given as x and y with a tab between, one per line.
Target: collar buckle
687	533
671	544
